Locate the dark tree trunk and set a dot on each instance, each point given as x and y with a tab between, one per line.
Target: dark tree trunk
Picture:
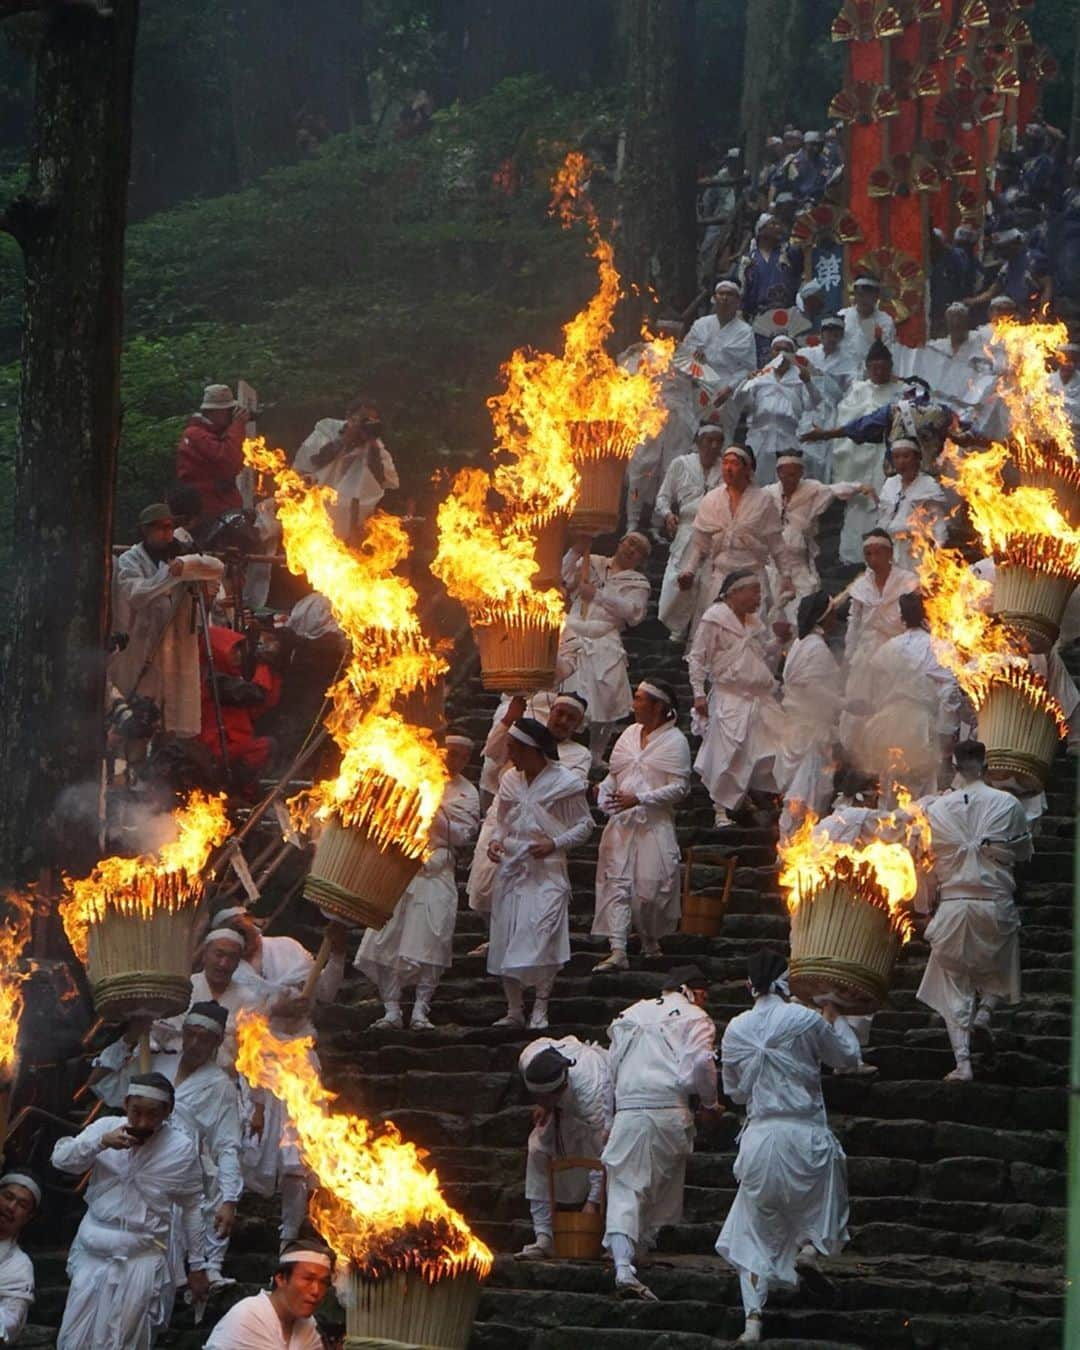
657	241
774	51
71	229
1074	122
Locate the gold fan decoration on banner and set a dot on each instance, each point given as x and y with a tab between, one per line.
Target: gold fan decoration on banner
825	222
975	14
916	11
867	20
914	81
864	103
998	73
900	277
950	161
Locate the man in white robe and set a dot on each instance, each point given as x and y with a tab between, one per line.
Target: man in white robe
541	812
608	596
637	868
122	1284
662	1058
864	321
155	604
417	944
724	341
737	527
20	1200
570	1083
834	369
791	1170
860	461
685	483
961	344
775	401
684	392
206	1105
283	1316
909	493
349	456
735	704
978	836
874	618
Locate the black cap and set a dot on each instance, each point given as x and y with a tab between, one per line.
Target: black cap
547	1071
689	976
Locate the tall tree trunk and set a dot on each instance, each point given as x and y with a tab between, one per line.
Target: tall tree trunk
657	242
1074	121
70	225
773	52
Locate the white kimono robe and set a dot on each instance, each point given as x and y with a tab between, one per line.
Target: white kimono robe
663	1052
621	601
158	612
856	463
482	870
576	1125
122	1288
874	618
418	941
16	1290
245	990
358	490
684	485
916	701
775	406
896	505
979	834
791	1170
799	517
813	696
530	897
637	869
745	728
833	376
686	403
252	1324
727	540
860	333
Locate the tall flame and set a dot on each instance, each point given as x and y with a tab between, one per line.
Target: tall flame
1037	410
392	775
167	877
377	1205
14	936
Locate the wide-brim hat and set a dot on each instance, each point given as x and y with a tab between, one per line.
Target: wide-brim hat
156	514
217	397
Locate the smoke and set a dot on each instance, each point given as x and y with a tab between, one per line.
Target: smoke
132	826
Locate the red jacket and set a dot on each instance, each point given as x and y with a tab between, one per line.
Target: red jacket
244	746
210	460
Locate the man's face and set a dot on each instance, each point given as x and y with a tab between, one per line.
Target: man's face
746	600
879	370
525	758
145	1116
709	448
830	340
631	552
563	721
736	472
220	960
457	759
813	304
791	143
1067	367
726	304
200	1045
219	417
159	535
302	1288
17	1206
906	462
644	706
865	300
878	555
790	476
957	325
771	234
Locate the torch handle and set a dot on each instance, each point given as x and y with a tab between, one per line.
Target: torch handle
586	566
322	957
144	1051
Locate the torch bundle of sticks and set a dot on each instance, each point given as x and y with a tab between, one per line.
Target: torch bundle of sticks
414	1302
844	938
1048	467
1035	577
1020	723
602	448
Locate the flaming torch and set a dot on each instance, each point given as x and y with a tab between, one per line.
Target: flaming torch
376	812
412	1268
847	917
131	921
14	936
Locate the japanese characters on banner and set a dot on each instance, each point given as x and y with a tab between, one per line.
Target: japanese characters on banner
931	87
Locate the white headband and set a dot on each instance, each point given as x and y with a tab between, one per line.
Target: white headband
151	1093
739	451
903	443
225	935
21	1179
790	459
568	701
523	737
654	692
312	1257
233	912
200	1020
459	740
740	584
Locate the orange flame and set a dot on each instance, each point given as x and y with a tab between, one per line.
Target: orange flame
1036	409
391	777
167	877
377	1205
14	936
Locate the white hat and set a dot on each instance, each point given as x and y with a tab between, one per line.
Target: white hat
958	307
1012	236
811	287
217	396
726	288
871	282
782	340
812	138
965	234
766	218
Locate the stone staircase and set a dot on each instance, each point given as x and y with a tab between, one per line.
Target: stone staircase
957	1190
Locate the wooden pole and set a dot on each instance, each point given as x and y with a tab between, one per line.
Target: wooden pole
144	1051
325	952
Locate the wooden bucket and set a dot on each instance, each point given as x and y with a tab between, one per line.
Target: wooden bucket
1032	601
599	499
353	879
1020	738
703	914
841	944
404	1308
138	962
577	1236
516	656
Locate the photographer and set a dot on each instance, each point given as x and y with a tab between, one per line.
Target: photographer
155	604
211	451
350	457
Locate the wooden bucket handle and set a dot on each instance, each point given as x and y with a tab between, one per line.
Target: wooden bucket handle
574	1163
729	860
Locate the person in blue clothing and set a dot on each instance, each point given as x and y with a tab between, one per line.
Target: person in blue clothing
1024	275
769	275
